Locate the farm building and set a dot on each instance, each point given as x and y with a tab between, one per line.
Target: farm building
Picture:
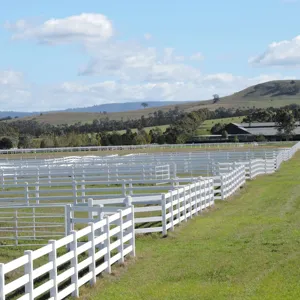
268	130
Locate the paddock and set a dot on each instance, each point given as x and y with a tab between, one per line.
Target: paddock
94	206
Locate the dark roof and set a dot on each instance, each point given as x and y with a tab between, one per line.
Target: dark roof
257	124
267	129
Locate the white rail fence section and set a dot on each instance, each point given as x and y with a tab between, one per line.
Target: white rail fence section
60	268
27	226
19	175
55	273
126	148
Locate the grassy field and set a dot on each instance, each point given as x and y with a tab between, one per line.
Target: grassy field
208	124
246	248
147	129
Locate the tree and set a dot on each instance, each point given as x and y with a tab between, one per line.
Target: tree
217	128
225	134
6	143
216	98
24	141
236	139
285	122
43	144
144	104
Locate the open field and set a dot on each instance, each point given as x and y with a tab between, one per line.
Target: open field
208	124
269	94
247	248
147	129
178	261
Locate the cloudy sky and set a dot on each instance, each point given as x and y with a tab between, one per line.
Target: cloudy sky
73	53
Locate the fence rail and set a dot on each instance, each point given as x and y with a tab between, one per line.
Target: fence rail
60	268
100	244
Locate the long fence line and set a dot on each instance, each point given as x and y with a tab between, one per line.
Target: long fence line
51	175
118	148
60	268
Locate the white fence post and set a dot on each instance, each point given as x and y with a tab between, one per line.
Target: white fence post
121	247
124	188
16	227
53	272
92	266
163	214
178	205
26	193
49	175
15	177
37	193
68	220
2	282
83	190
107	245
2	179
34	223
132	243
74	187
28	269
74	264
222	187
172	210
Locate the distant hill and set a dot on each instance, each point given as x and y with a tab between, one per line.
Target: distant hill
270	94
120	107
109	108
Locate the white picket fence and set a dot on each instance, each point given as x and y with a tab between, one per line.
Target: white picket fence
91	251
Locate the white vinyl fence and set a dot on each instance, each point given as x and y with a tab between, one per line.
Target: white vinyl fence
60	268
27	226
55	273
126	148
49	175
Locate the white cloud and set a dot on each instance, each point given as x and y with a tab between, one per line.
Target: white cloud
121	71
197	56
86	27
283	53
10	78
203	88
147	36
14	93
17	94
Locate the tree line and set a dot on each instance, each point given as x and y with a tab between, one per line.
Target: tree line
104	131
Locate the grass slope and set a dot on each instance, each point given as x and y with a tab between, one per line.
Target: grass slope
208	124
247	248
274	93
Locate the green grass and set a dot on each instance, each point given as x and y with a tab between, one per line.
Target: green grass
246	248
205	128
147	129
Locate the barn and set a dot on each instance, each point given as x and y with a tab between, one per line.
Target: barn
247	130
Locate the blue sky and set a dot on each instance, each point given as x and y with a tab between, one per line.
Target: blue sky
61	54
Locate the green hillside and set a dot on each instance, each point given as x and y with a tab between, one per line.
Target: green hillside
274	93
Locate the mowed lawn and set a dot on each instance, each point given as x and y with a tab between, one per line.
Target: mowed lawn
245	248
